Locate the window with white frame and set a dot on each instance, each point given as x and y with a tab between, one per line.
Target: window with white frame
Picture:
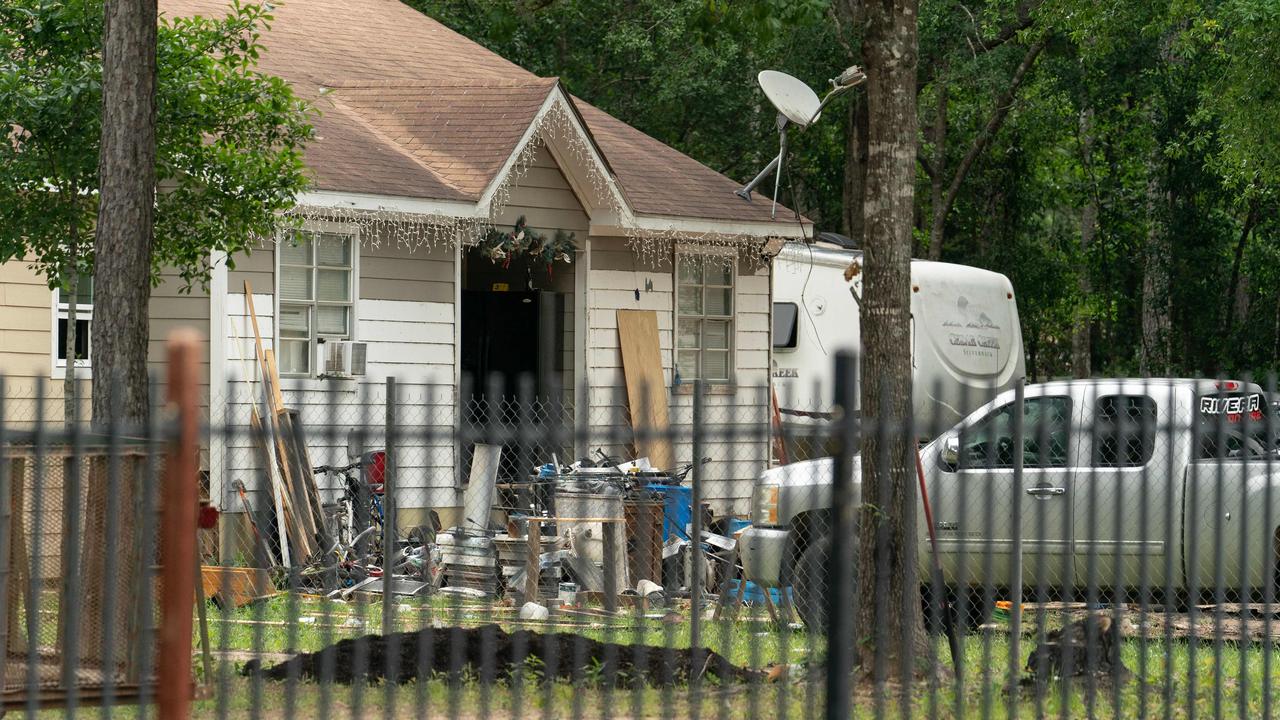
315	284
704	317
84	315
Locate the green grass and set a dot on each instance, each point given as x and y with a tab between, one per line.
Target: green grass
1230	682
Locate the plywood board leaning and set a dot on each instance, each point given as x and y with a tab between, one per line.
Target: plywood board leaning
646	389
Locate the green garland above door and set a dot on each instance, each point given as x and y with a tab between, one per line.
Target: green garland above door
501	246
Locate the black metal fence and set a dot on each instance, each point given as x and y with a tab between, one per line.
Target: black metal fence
1082	548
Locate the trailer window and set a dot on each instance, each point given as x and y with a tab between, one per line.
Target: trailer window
786	316
1124	431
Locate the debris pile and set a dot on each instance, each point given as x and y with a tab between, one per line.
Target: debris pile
489	654
1087	647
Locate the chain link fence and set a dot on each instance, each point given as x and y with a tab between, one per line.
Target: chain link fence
1077	548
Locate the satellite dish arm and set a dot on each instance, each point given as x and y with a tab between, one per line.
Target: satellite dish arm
847	80
745	191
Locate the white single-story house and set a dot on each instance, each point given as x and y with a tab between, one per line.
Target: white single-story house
427	142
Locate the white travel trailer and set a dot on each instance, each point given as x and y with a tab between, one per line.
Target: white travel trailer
966	343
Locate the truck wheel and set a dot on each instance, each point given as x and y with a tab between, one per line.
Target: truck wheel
809	583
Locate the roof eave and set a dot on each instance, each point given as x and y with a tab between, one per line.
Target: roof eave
369	202
641	225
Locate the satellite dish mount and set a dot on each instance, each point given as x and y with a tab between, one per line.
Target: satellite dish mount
798	105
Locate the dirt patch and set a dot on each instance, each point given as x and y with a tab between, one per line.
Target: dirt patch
488	654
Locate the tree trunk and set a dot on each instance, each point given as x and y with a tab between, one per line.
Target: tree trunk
1157	312
889	634
1275	331
126	182
1081	336
1237	291
855	171
938	176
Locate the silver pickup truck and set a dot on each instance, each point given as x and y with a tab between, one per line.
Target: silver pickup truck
1159	484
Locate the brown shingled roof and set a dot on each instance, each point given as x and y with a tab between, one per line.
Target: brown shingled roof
414	109
463	132
347	154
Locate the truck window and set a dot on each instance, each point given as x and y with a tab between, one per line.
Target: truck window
1124	432
785	324
1233	425
1046	424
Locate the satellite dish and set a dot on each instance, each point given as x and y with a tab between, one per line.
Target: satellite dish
796	101
798	105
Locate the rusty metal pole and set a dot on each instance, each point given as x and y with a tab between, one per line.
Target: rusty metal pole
178	531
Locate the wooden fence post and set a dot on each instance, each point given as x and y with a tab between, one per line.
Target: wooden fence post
178	531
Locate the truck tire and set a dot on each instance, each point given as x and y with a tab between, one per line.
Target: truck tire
809	583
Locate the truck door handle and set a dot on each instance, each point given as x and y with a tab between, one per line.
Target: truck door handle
1045	491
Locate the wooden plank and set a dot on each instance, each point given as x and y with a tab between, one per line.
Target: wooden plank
644	544
275	399
301	509
275	402
234	587
303	531
299	458
611	549
286	528
646	391
283	531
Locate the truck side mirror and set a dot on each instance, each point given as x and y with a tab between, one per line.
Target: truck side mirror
951	453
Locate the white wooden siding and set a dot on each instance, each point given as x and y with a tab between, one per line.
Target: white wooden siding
409	339
736	417
27	339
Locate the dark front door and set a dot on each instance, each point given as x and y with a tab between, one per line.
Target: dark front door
499	341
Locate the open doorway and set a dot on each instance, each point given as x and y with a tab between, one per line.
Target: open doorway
508	336
517	328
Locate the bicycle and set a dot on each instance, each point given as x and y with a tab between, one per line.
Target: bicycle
355	521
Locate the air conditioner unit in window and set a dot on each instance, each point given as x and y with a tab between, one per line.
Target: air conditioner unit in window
342	358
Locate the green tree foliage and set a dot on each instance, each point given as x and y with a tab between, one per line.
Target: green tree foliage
1159	118
229	138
